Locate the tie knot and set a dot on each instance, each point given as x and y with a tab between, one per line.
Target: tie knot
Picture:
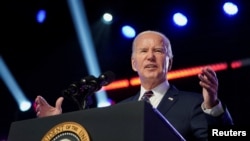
147	95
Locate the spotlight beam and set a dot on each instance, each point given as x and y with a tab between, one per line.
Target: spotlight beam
23	103
81	24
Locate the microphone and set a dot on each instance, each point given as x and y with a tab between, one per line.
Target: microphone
72	90
93	84
89	84
81	90
106	78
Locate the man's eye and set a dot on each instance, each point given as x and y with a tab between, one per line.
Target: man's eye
160	51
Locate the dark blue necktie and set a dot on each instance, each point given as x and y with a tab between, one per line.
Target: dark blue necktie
146	96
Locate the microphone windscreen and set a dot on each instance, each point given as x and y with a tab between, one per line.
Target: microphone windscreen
106	78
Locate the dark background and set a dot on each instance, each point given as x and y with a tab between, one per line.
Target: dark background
46	58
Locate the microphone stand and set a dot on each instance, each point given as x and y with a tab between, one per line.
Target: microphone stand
80	95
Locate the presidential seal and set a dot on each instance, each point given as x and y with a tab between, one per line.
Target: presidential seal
67	131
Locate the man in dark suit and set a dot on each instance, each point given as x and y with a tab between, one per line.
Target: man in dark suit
190	113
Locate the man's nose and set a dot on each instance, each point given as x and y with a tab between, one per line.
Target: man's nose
150	55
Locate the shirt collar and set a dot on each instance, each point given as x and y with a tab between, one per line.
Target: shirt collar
160	89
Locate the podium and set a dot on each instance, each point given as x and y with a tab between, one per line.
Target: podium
131	121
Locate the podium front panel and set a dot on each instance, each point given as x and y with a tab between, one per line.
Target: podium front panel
132	121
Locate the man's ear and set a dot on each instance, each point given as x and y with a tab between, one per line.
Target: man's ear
170	62
133	64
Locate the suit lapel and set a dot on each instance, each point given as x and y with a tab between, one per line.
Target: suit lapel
168	100
136	97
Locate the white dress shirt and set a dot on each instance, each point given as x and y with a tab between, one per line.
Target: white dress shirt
158	91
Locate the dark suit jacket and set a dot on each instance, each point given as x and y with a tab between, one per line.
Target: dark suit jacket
183	110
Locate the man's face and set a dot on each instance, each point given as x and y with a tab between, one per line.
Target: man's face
149	57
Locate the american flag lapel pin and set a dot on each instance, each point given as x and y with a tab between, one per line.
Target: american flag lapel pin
170	98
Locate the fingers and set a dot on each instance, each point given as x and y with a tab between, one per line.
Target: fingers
37	110
38	114
59	102
37	104
208	79
40	100
37	100
44	109
40	103
37	107
208	76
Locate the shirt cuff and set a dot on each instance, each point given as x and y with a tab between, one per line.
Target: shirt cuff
214	111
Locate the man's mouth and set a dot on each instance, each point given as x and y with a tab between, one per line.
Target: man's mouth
151	66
